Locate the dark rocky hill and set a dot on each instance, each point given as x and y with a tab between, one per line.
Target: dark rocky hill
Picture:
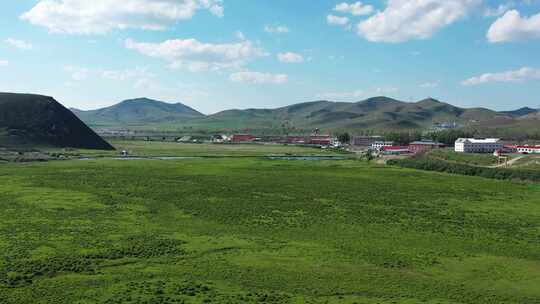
36	120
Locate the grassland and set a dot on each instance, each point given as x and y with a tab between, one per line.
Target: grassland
249	230
478	159
154	148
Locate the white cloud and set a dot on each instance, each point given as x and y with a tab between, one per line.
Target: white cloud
103	16
77	73
429	85
259	78
290	57
521	75
336	20
513	27
198	56
404	20
3	63
357	94
279	29
385	90
356	9
342	95
138	72
240	35
20	44
499	10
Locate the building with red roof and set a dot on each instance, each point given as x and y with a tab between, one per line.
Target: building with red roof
238	138
528	149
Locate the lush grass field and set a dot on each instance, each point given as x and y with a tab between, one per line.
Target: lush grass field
256	231
155	148
477	159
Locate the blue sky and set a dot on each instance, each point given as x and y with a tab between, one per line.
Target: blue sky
220	54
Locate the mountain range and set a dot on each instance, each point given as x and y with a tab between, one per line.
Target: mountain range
377	113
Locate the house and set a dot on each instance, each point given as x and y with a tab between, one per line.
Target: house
364	141
238	138
424	145
528	149
378	145
219	139
321	140
395	150
295	140
184	139
478	145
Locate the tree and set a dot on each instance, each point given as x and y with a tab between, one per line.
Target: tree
344	138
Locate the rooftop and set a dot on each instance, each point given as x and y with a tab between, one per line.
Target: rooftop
479	140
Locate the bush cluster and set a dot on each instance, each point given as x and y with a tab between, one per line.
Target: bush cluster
423	163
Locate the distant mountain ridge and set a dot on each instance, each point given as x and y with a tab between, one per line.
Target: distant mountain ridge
374	113
35	120
138	111
378	113
522	112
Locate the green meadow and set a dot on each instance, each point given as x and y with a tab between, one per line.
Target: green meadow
161	148
251	230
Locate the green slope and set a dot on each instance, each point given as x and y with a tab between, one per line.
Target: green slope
138	111
35	120
377	113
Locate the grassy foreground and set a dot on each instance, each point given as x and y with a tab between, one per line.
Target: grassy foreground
257	231
155	148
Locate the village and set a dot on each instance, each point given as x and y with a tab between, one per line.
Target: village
376	144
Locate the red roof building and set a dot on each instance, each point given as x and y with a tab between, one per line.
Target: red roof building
322	140
396	150
295	140
423	146
528	149
243	138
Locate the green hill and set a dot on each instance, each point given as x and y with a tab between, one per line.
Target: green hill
377	113
374	113
522	112
140	111
35	120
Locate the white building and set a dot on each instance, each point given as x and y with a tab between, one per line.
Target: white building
378	145
478	145
528	149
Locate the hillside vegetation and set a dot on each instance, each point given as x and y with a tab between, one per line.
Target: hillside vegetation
256	231
378	113
137	112
33	120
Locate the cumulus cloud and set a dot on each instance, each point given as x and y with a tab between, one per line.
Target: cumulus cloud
521	75
345	95
290	57
513	27
20	44
77	73
356	9
357	94
499	10
336	20
3	63
198	56
104	16
279	29
240	35
404	20
429	85
259	78
138	72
